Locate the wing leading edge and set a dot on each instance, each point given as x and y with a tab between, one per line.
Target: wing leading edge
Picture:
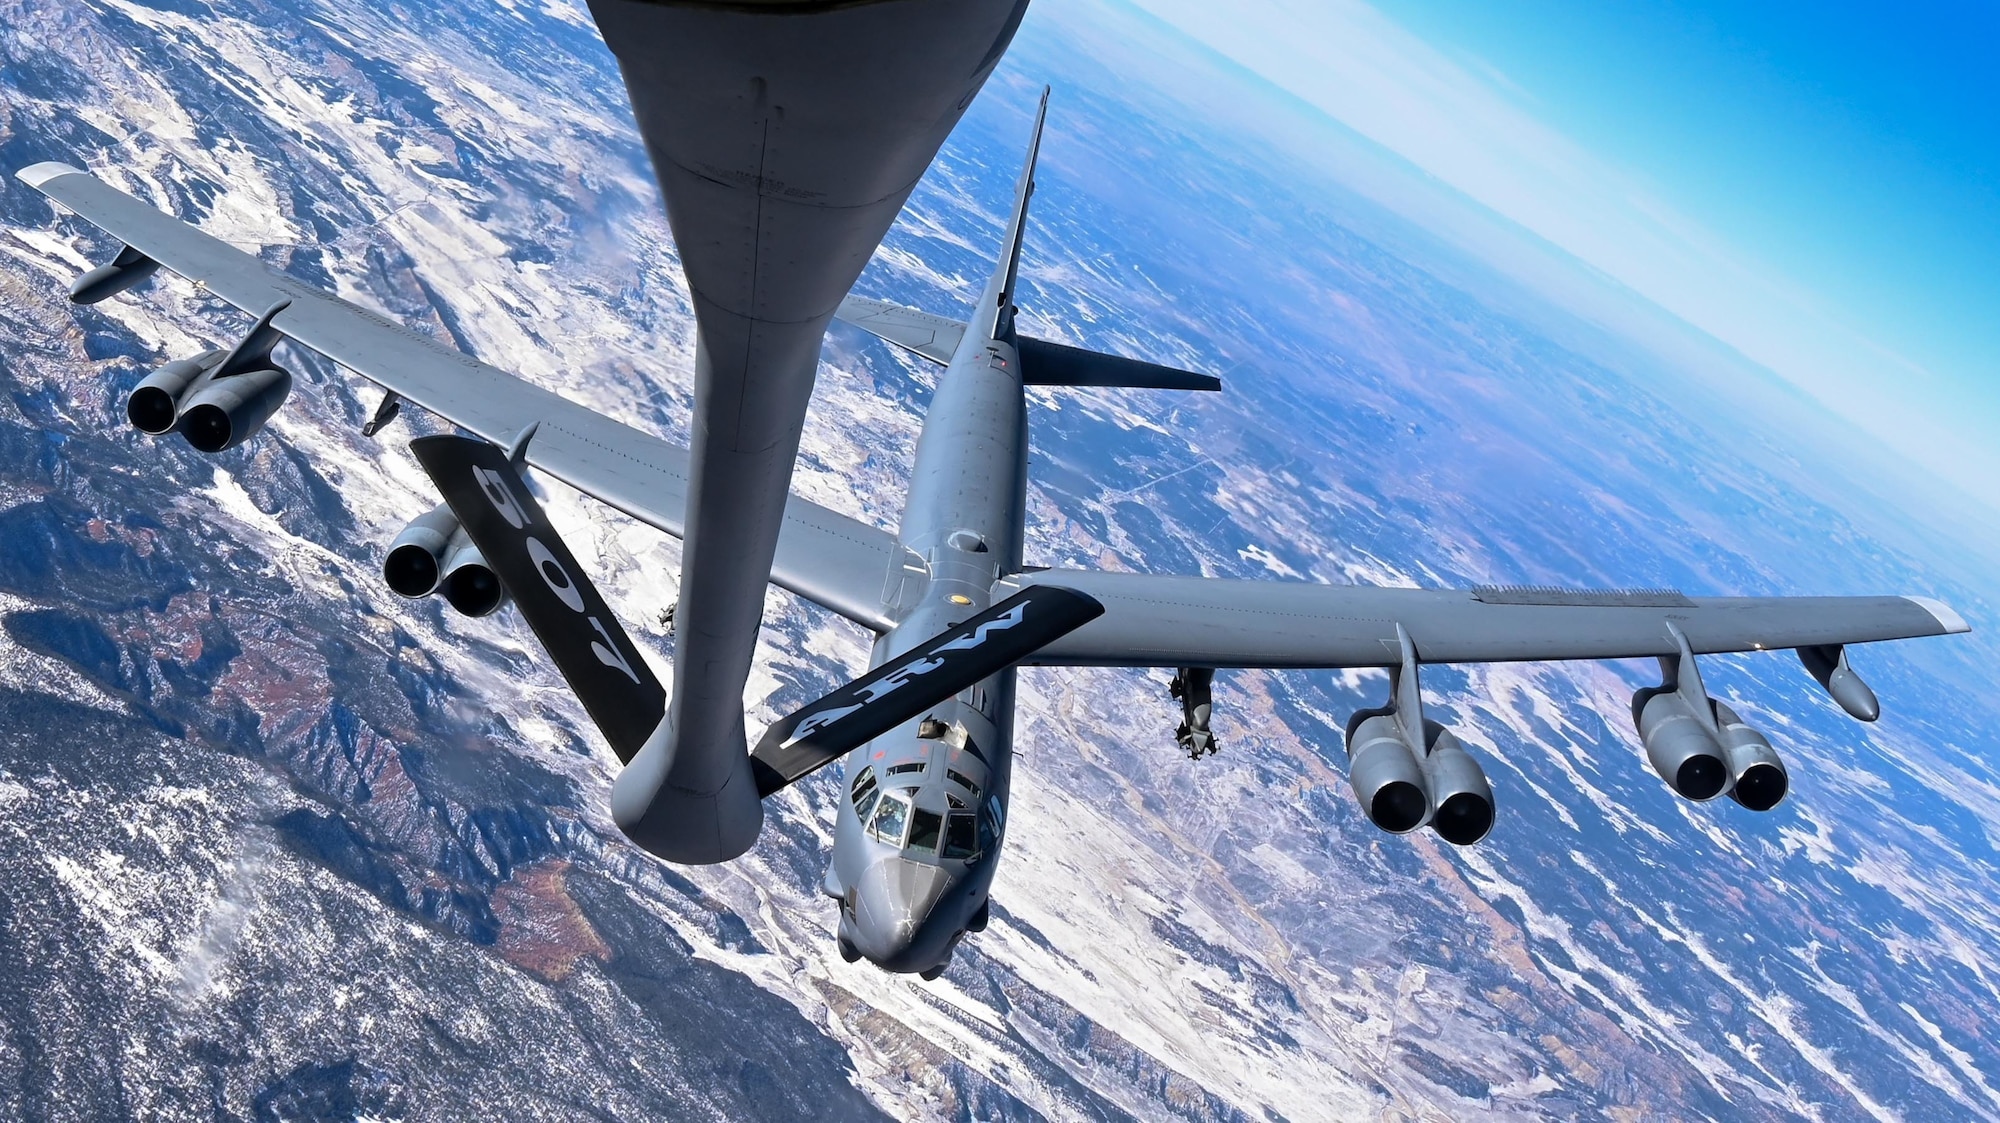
824	556
1156	621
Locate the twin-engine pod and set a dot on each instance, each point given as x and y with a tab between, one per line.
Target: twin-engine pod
1699	746
217	400
434	555
1408	771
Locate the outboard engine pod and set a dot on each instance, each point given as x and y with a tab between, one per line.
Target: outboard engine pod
1679	745
1759	774
154	407
469	584
228	411
415	562
1464	798
1386	777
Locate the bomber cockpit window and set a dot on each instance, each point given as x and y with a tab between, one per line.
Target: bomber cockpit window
924	827
990	824
960	837
962	780
906	766
864	794
890	815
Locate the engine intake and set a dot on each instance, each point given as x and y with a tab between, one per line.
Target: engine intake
1459	788
433	554
153	407
469	584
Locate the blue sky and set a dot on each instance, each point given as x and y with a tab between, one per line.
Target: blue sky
1816	185
1854	144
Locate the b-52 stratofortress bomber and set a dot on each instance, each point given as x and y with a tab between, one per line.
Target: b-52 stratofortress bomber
926	734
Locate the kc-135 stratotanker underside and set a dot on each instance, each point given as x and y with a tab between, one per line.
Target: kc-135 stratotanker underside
925	735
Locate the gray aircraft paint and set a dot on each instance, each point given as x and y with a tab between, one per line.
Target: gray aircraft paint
786	135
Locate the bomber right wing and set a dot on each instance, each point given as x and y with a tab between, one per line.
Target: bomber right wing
1159	621
1408	771
823	556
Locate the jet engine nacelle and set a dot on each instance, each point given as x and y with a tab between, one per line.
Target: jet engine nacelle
469	584
1459	789
154	406
1679	745
1758	779
415	561
1408	770
1386	776
228	411
216	400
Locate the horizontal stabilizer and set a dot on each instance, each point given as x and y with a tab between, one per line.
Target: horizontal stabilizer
1052	364
916	680
492	503
933	337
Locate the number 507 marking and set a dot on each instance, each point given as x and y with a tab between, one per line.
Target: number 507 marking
494	486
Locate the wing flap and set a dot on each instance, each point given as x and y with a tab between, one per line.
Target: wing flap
824	556
1155	621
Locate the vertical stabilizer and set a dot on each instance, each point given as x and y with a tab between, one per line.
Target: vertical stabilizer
1000	291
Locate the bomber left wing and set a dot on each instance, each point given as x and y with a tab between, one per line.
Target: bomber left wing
823	556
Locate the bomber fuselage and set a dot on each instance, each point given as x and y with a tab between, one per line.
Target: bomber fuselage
924	806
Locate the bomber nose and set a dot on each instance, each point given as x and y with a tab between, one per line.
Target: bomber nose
892	902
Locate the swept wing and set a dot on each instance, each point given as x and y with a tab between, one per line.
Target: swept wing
822	555
1159	621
